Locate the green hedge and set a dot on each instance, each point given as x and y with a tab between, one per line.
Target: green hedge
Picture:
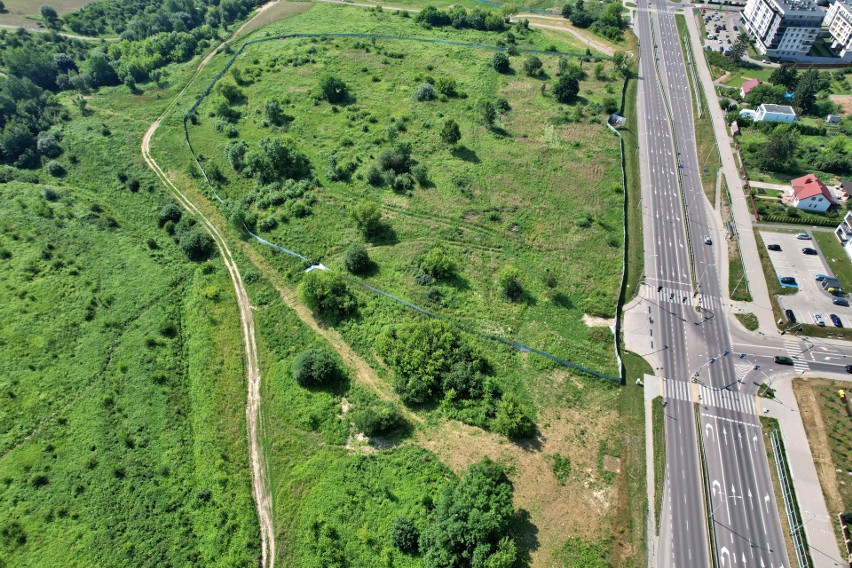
794	221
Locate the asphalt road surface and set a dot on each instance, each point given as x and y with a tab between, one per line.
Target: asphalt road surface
743	518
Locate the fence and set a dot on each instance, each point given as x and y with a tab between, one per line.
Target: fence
519	346
797	528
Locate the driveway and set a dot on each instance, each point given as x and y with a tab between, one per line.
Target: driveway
810	298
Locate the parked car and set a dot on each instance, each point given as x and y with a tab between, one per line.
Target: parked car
707	240
849	368
783	360
774	247
835	320
809	250
711	36
788	281
736	28
803	236
819	320
820	277
840	302
791	317
765	62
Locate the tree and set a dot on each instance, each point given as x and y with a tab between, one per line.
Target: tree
334	90
314	368
739	48
274	115
533	66
99	68
326	294
786	75
581	18
2	7
511	419
500	62
197	244
356	259
447	86
376	419
37	66
489	113
49	14
450	132
567	10
780	150
404	535
367	217
425	92
471	519
611	16
764	93
437	263
566	89
510	284
230	91
807	89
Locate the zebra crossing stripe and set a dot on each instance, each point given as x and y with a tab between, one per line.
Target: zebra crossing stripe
721	398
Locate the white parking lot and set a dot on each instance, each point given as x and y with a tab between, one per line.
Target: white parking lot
811	298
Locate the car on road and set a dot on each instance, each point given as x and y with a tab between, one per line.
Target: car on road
835	320
791	317
849	368
788	281
783	360
774	247
840	302
765	62
820	277
809	250
819	320
803	236
707	240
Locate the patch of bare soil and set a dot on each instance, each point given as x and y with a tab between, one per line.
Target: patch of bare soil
581	507
845	102
594	321
818	439
274	11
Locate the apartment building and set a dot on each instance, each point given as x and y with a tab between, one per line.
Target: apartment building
838	20
785	29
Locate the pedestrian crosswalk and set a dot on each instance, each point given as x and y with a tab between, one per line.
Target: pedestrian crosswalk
667	295
707	396
795	350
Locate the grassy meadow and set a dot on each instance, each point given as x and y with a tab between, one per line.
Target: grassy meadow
123	425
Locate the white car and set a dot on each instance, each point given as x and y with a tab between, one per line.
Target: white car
803	236
819	320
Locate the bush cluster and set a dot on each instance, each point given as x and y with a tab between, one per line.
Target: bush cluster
460	18
396	168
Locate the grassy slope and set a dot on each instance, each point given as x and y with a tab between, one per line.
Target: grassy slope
496	216
134	427
837	259
302	436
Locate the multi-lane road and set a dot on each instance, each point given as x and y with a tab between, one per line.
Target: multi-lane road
741	527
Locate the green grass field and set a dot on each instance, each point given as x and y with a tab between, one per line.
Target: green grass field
26	12
139	448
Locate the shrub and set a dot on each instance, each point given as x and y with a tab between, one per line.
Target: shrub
377	419
355	258
326	294
566	89
315	368
367	217
437	263
334	90
54	168
170	212
425	92
533	66
49	194
512	419
450	132
197	244
510	285
404	535
500	62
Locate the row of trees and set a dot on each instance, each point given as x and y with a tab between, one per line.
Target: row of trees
460	18
603	18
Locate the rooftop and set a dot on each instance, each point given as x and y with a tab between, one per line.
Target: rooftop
810	186
749	85
798	6
777	109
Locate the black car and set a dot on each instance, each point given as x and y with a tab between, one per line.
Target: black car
774	247
835	320
840	302
791	317
789	280
808	250
849	368
783	360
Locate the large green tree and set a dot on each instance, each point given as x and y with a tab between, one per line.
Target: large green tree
470	524
326	294
566	89
807	89
786	75
780	149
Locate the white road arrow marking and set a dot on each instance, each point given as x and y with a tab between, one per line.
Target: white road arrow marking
766	502
725	434
708	430
724	552
714	485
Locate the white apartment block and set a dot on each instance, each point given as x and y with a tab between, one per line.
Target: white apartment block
838	20
785	29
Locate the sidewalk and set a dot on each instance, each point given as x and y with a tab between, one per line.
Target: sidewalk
817	522
760	306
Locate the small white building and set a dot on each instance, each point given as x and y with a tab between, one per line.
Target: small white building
775	113
843	232
808	193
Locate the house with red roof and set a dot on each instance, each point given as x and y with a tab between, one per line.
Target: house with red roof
810	194
747	86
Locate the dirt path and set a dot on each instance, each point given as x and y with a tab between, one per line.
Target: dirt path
562	25
260	489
